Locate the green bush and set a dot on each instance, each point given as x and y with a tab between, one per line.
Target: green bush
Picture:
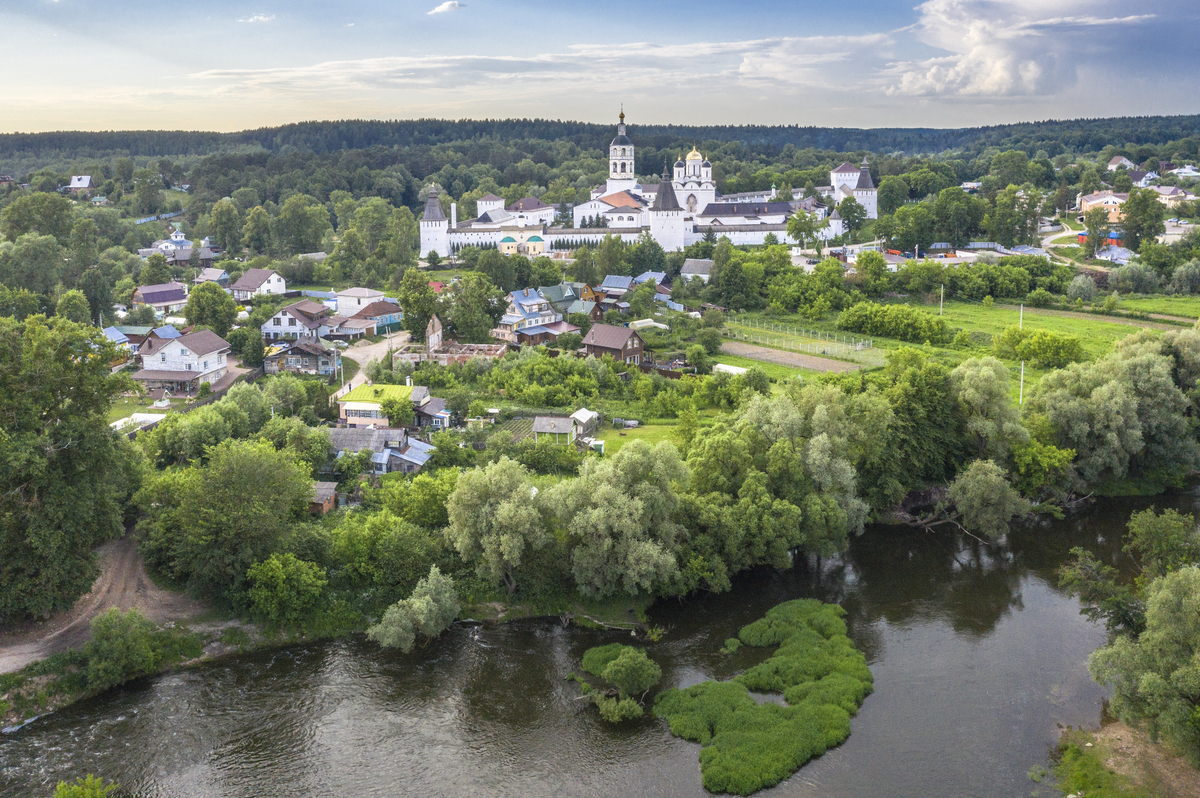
626	668
747	746
1040	347
285	590
87	787
122	647
430	611
902	322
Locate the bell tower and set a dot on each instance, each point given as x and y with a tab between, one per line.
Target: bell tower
621	176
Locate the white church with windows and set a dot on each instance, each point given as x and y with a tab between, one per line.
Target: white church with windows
677	211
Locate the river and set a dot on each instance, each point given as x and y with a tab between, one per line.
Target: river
978	658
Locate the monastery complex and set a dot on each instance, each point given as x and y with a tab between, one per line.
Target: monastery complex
678	211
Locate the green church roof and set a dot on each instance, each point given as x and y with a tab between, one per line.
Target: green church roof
508	240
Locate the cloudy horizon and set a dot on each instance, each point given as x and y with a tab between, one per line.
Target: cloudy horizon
239	64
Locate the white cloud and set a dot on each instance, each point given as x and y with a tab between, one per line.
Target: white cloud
1012	48
449	5
258	18
775	62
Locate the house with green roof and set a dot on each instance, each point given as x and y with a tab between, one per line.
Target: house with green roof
363	406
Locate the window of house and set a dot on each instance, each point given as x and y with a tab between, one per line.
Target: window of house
206	365
183	353
220	358
164	357
276	321
188	366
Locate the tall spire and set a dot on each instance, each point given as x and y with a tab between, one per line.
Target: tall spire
665	199
433	207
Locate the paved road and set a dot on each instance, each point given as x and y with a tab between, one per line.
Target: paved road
789	359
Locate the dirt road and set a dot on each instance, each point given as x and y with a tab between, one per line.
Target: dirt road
782	358
122	583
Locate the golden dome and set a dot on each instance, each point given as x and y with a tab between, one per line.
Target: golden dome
694	156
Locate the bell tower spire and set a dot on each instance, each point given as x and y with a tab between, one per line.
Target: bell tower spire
621	176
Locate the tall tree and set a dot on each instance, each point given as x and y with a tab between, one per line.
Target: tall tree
208	305
893	192
73	306
418	302
494	521
63	474
46	214
854	216
1142	218
256	232
475	309
225	226
957	216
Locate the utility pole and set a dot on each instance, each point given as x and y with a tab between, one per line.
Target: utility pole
1021	394
942	299
1021	321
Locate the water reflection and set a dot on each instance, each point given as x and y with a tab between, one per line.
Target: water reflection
977	657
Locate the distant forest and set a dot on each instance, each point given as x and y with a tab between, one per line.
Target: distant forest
25	152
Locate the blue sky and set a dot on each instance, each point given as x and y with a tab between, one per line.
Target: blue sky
233	64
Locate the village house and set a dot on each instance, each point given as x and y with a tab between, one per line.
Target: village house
212	275
302	357
324	498
181	364
383	315
307	320
352	300
392	450
257	282
164	298
1120	162
363	406
697	268
557	430
530	320
621	343
82	183
1110	201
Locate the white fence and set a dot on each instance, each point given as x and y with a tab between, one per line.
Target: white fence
823	342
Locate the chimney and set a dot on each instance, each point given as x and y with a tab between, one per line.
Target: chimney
408	381
453	215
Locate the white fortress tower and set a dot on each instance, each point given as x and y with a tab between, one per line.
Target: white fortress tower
435	228
621	176
667	224
694	184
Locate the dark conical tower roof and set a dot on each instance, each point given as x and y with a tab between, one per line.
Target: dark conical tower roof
665	199
433	208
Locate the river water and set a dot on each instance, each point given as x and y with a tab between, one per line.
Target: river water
978	658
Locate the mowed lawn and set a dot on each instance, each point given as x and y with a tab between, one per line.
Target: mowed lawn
1185	306
615	438
1096	334
772	370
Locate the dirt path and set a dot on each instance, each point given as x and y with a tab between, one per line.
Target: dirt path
122	583
1072	314
1150	766
789	359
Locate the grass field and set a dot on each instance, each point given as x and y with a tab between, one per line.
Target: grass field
807	344
772	370
1186	306
651	433
124	406
1097	334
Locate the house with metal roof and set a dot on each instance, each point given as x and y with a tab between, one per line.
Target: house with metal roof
164	297
697	268
257	282
527	308
556	429
212	275
182	363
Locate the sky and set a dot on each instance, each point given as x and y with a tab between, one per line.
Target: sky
236	64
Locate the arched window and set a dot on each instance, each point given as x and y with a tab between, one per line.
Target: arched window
622	167
622	152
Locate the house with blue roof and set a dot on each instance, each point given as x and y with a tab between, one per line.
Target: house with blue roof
657	277
615	285
528	317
